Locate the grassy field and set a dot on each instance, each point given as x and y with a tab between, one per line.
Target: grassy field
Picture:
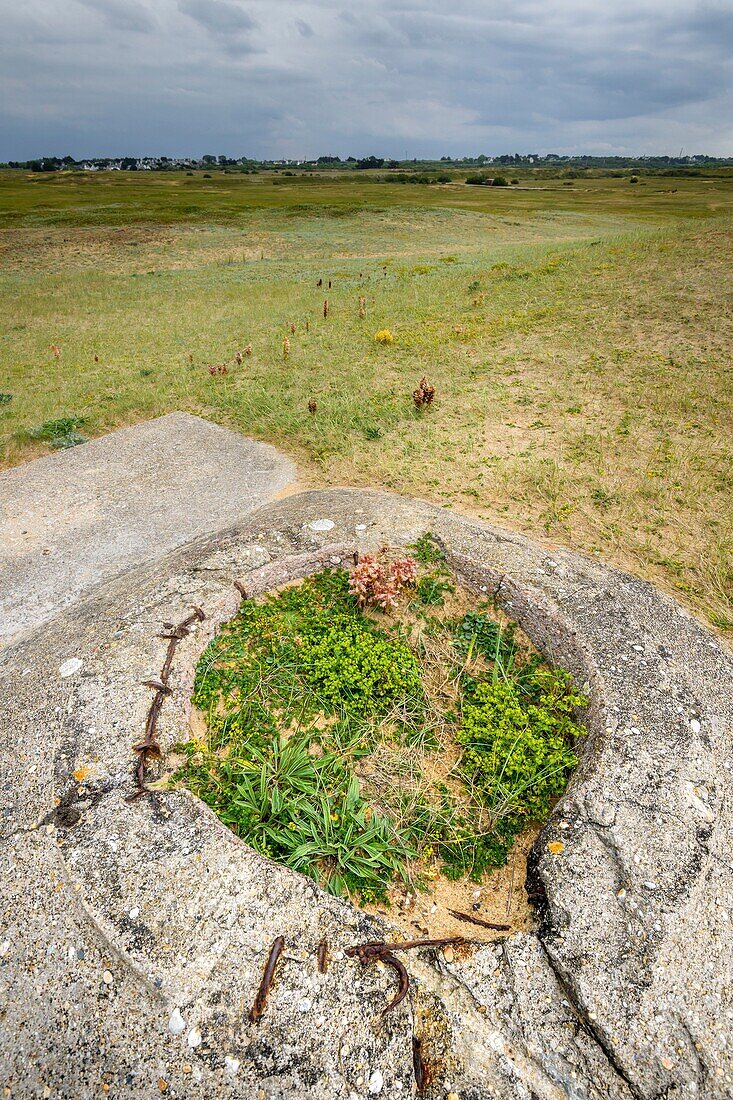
579	339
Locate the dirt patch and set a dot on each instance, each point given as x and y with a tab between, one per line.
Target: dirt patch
501	899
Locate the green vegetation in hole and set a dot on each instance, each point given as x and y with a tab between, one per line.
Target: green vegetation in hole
361	748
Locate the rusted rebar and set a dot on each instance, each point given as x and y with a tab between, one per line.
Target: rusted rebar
149	748
419	1065
260	1001
384	952
469	919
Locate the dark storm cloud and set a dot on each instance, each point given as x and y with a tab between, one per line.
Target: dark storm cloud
299	77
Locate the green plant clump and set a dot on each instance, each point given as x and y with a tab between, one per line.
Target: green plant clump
518	754
354	668
325	733
61	433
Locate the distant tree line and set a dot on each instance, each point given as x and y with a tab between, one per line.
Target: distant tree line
573	166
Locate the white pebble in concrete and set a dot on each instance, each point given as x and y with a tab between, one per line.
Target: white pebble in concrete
376	1082
176	1023
68	668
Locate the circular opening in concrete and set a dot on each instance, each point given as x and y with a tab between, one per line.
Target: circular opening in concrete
380	729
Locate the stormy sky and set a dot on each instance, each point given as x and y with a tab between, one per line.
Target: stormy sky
297	78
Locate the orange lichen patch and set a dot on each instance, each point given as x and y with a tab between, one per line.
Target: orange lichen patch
556	846
82	773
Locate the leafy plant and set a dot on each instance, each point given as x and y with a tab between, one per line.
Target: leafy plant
305	811
60	433
426	550
431	590
379	582
355	668
518	754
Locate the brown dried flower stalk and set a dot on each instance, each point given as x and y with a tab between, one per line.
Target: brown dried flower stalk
424	394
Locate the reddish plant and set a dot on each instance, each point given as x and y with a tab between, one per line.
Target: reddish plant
380	584
404	570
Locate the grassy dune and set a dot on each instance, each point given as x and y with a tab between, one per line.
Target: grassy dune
579	339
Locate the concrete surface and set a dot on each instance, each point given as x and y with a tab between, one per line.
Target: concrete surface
134	935
78	517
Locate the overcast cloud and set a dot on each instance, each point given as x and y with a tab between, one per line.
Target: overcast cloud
296	78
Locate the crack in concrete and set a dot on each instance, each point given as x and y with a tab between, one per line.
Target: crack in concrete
588	1027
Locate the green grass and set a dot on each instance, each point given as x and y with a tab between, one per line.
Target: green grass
362	748
168	198
578	339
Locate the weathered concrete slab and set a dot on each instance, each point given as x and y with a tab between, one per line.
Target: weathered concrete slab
120	920
73	519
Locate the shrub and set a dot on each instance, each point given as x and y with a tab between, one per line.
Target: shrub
355	669
518	754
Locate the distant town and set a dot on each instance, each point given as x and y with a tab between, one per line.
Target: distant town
553	161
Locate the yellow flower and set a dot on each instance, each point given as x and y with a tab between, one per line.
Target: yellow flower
384	336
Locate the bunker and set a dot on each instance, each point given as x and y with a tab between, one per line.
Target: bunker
136	930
